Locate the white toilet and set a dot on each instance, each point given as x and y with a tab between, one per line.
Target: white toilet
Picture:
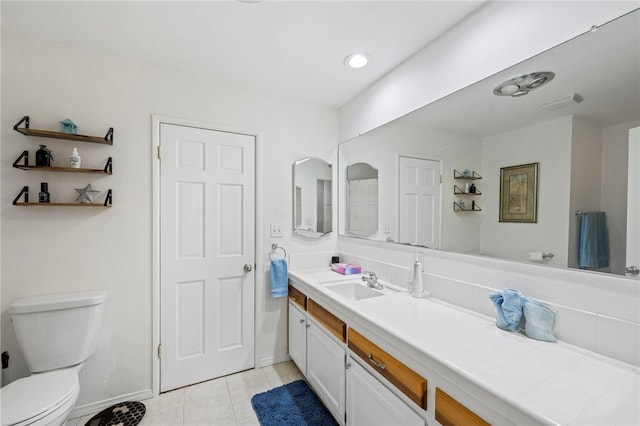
57	334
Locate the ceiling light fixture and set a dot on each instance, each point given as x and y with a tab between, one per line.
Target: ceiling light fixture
520	86
357	60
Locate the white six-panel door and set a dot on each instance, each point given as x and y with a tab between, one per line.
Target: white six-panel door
206	254
419	203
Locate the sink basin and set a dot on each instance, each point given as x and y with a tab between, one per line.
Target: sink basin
354	291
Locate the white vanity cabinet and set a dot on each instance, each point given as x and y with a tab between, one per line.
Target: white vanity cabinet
325	369
371	403
298	336
317	346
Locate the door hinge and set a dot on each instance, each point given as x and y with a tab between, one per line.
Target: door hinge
440	178
160	351
159	152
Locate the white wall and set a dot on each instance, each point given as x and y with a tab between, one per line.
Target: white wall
548	144
586	174
493	38
47	250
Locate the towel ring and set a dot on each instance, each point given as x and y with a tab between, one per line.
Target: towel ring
275	246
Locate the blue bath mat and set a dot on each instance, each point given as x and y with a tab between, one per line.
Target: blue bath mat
293	404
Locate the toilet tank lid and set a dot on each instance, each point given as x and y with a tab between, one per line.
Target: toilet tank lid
53	302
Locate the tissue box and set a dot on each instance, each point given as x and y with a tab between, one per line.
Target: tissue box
346	268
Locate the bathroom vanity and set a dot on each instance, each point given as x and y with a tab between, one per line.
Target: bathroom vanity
383	357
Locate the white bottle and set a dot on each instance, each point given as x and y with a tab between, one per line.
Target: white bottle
417	284
75	159
467	188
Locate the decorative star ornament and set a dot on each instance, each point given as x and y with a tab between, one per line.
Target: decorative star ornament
85	195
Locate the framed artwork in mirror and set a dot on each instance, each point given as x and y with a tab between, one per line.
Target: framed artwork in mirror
519	193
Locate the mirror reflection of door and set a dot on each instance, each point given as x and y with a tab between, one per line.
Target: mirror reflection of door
362	187
419	203
312	194
633	205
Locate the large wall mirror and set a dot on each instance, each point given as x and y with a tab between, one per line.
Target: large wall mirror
574	126
312	205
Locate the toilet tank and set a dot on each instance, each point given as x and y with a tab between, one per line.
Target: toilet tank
58	330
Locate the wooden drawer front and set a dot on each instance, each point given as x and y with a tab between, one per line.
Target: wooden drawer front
450	412
405	379
298	297
334	324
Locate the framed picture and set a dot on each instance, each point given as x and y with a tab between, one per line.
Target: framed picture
519	193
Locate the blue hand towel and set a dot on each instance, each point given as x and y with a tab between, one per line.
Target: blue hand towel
594	241
540	320
279	278
508	304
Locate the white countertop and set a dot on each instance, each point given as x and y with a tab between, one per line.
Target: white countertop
554	383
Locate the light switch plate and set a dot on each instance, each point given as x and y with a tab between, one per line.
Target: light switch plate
275	231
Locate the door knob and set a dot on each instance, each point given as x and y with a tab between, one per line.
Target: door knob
633	270
248	267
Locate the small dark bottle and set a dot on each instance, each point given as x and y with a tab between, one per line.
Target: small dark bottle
43	157
44	192
472	189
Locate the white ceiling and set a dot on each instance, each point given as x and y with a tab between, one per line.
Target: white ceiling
291	48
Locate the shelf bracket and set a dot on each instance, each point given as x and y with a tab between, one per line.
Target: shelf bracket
109	136
108	168
108	199
25	192
24	156
24	120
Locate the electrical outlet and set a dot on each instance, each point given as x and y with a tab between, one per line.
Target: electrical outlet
275	231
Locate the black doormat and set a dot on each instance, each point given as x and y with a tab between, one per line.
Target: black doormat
127	413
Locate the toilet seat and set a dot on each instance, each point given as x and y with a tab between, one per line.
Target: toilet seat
38	397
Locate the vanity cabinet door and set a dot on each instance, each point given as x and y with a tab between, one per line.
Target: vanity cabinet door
298	336
325	369
371	403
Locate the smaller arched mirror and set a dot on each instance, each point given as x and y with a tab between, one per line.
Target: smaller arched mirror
312	205
362	200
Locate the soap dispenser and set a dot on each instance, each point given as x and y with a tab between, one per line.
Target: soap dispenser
75	159
417	284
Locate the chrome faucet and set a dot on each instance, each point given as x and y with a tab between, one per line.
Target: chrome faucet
371	280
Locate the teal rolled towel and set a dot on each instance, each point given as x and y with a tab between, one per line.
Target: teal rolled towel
540	321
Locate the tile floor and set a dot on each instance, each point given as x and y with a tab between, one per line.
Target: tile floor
225	401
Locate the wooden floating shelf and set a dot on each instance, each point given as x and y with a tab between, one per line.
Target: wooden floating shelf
61	204
472	176
107	139
108	200
458	208
62	169
459	191
108	168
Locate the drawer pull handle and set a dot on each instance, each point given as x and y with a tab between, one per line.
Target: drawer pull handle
380	365
302	321
293	298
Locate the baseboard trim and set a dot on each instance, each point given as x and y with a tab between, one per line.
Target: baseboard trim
96	407
265	362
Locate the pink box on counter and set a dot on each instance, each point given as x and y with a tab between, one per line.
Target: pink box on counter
346	268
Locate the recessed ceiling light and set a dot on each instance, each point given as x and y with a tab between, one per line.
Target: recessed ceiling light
520	86
357	60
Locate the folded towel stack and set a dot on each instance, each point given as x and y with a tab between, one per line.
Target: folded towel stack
511	306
